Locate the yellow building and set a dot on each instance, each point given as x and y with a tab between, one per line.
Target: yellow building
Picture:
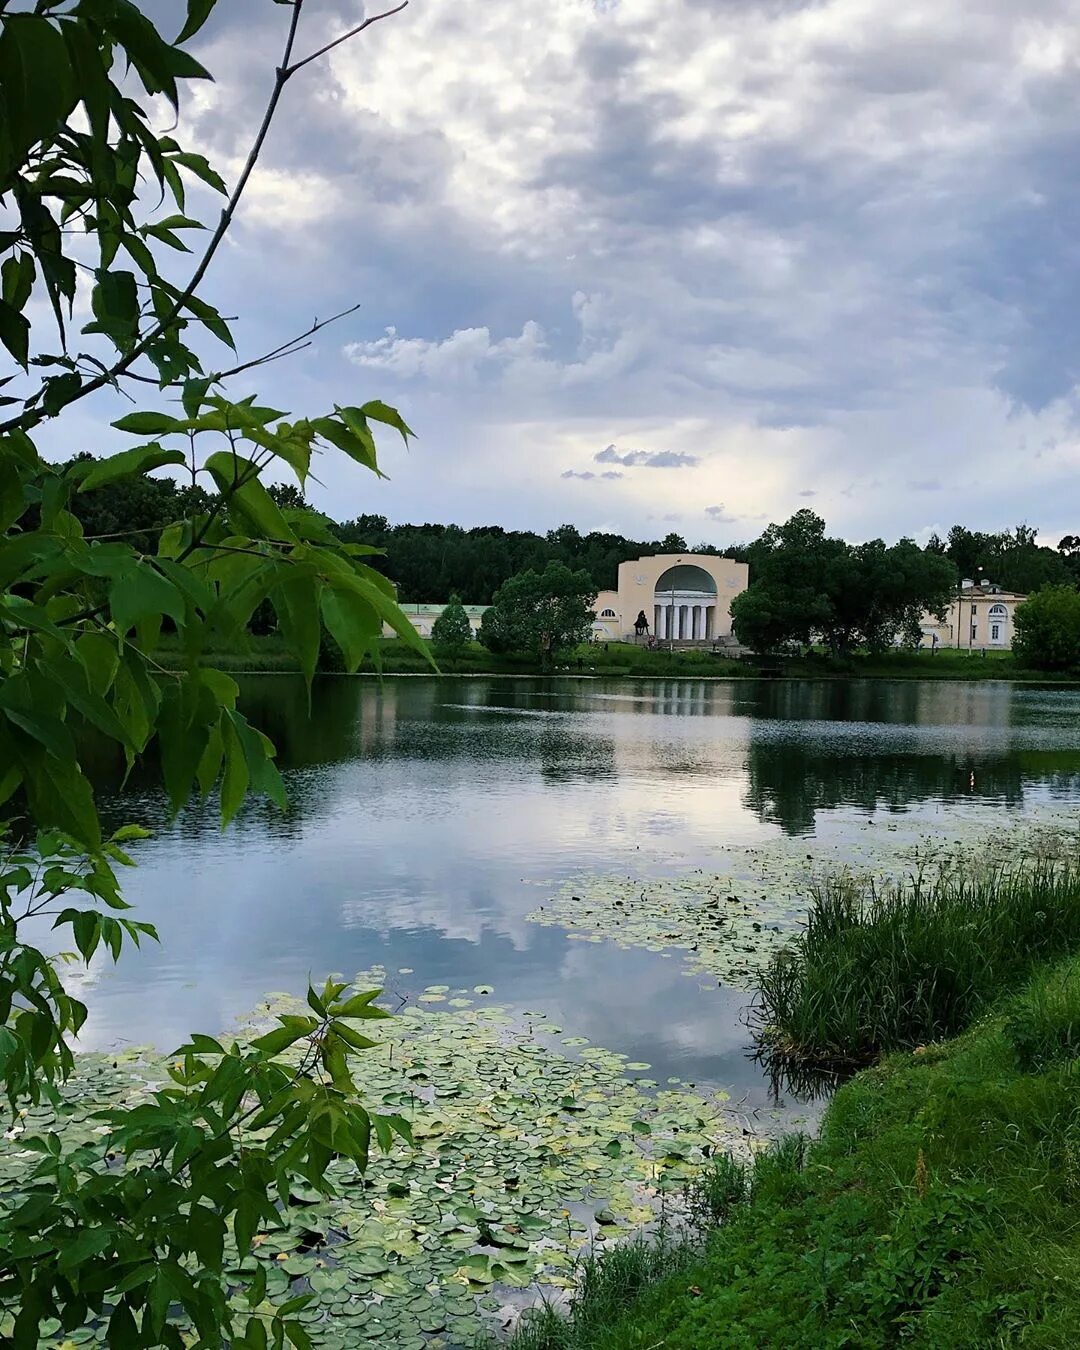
682	598
981	618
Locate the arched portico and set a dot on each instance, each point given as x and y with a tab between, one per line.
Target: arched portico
683	597
684	604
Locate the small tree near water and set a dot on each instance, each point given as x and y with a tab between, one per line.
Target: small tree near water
451	632
1048	629
540	613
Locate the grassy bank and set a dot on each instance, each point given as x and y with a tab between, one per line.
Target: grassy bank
939	1208
944	664
268	654
879	969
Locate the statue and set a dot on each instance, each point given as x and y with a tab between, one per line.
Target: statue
641	623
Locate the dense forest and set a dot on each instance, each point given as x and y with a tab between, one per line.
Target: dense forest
432	561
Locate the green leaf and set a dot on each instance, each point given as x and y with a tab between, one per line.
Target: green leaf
142	593
115	302
297	1335
138	460
295	597
15	333
274	1042
360	1005
250	505
234	785
352	623
18	279
353	1039
377	411
148	423
59	794
87	1243
249	1210
188	712
199	166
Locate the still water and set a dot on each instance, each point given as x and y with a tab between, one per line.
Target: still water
429	817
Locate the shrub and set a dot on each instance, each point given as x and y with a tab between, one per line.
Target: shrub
451	632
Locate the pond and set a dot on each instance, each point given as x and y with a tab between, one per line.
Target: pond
432	822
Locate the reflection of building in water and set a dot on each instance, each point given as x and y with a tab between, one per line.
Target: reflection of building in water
980	619
376	716
683	598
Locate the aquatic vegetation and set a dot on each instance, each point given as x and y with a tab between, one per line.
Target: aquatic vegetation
697	915
880	968
730	923
527	1154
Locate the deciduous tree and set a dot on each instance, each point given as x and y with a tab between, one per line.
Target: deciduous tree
1048	629
540	613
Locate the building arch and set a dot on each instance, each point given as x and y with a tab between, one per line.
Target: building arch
997	618
686	577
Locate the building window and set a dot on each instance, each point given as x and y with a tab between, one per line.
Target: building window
973	609
995	632
974	630
607	613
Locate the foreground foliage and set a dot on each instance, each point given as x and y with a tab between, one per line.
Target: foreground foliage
128	1230
940	1208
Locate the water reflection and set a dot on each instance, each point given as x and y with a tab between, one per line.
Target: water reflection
427	819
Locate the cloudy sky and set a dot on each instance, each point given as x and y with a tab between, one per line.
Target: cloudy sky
672	264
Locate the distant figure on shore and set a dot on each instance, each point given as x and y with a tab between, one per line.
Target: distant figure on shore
641	624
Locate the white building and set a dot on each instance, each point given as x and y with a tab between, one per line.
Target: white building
981	618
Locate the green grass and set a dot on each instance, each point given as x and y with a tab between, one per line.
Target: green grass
940	1208
878	970
268	653
945	664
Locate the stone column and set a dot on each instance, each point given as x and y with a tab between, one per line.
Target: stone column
699	621
677	631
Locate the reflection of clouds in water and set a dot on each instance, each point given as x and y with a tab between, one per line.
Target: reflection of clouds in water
419	819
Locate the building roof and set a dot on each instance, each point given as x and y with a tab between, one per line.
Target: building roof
989	592
431	607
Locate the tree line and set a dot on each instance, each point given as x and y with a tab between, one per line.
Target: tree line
431	562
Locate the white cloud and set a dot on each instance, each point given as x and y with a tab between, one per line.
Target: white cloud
815	248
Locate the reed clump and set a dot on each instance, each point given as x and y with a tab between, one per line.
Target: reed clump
881	968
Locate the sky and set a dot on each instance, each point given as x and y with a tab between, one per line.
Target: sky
652	265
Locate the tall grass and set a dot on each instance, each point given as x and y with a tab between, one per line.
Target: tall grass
879	969
607	1285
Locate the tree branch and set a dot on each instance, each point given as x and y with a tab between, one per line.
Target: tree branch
386	14
31	417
